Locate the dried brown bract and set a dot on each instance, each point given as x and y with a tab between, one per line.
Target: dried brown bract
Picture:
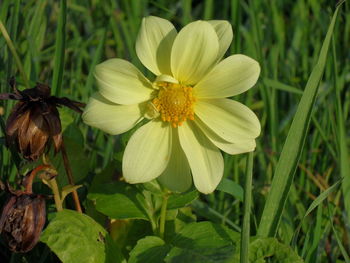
23	217
34	122
22	221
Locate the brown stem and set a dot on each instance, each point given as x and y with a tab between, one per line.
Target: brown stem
30	178
70	177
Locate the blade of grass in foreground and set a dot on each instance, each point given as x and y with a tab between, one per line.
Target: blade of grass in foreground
14	53
59	50
247	208
293	146
313	205
342	141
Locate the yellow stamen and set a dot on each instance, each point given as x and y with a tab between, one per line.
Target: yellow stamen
175	103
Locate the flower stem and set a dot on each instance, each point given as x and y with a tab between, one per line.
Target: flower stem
70	177
163	215
14	53
244	258
56	194
34	172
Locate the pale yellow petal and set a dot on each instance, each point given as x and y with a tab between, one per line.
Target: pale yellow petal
224	31
205	159
147	153
154	42
230	77
177	175
241	146
194	52
110	117
121	82
229	119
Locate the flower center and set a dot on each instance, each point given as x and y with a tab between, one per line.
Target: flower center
174	102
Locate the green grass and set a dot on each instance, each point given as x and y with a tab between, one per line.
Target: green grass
292	98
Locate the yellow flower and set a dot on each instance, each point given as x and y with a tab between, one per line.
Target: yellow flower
190	117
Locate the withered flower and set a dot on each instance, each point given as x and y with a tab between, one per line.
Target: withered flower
34	121
23	217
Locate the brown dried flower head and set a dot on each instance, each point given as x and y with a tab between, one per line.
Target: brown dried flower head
34	121
23	218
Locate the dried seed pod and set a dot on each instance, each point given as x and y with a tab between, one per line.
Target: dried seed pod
22	221
23	216
34	122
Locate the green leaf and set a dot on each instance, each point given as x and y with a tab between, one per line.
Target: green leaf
270	250
203	242
75	237
66	117
204	210
119	200
105	176
183	217
153	187
196	242
73	133
181	200
231	187
293	146
149	249
66	190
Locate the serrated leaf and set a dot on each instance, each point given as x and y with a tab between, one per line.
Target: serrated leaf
149	249
119	200
75	237
263	249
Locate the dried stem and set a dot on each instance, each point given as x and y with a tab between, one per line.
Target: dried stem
51	182
70	177
30	179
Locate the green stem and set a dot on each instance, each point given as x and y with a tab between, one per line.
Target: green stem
56	194
247	207
14	53
163	215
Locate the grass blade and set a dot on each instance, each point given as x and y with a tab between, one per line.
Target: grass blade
59	50
14	53
337	238
90	79
293	146
313	205
244	258
342	140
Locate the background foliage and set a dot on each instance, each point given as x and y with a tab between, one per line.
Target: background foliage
285	37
